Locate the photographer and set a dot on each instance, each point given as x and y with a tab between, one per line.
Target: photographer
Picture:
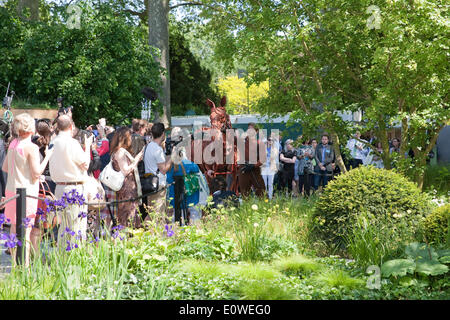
184	190
156	163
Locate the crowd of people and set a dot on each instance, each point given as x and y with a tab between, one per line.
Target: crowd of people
58	158
305	169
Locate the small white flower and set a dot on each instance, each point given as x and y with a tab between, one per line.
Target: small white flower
255	225
254	207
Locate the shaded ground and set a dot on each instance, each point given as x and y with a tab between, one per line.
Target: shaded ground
5	260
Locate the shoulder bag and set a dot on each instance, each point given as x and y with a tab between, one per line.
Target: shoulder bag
95	194
111	178
149	181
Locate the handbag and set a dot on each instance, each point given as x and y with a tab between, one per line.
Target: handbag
149	181
111	178
47	194
191	183
94	193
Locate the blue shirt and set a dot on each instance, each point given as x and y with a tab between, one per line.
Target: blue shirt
190	167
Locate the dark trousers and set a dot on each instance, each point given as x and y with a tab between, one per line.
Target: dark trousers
321	177
249	180
355	163
288	176
305	180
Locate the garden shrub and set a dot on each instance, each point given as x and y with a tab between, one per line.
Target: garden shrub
436	224
375	192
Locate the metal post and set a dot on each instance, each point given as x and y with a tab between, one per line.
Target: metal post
178	197
21	208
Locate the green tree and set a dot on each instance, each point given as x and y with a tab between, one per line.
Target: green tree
191	84
385	58
241	98
100	68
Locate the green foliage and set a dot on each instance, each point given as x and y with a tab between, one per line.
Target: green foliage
380	194
398	267
322	60
264	290
371	240
297	265
421	259
241	97
205	262
437	177
100	68
190	83
436	225
338	278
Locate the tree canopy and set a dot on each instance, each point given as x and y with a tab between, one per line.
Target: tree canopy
99	68
386	58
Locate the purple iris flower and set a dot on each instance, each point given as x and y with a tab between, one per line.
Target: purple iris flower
2	219
96	239
169	231
82	215
12	241
68	231
26	222
118	227
71	246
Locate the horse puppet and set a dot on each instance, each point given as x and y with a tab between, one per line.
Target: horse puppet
212	151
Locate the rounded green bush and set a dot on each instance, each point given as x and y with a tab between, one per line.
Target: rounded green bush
377	193
435	225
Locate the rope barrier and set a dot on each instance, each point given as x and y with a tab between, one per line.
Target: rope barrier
104	203
9	200
110	202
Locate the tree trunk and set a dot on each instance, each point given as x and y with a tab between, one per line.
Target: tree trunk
32	5
421	162
337	152
158	26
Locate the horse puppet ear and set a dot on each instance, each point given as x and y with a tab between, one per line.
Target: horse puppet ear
223	102
210	103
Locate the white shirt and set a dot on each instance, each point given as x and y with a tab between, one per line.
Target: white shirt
66	159
154	155
355	152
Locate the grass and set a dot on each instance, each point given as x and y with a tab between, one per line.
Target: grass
264	290
297	265
337	278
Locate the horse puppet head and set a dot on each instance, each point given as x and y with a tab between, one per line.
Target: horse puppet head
219	118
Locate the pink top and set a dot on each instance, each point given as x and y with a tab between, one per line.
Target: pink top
19	176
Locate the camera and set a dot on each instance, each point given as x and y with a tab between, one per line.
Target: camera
170	144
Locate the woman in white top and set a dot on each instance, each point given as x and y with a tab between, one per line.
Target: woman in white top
22	163
270	167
